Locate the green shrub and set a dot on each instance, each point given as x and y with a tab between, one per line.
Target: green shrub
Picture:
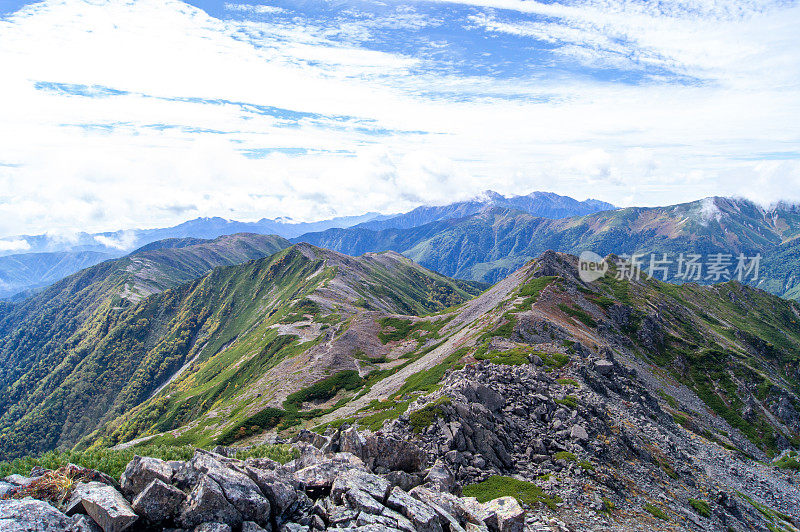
655	511
787	462
701	507
106	460
579	314
324	389
422	418
570	401
429	379
500	486
567	382
565	455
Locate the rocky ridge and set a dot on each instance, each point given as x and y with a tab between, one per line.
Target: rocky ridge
378	483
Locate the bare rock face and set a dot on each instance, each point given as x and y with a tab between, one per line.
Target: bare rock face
105	505
420	514
25	515
158	502
237	488
207	504
141	471
504	514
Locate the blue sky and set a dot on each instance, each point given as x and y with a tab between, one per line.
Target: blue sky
117	114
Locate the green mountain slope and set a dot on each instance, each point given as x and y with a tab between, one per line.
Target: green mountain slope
67	373
492	244
338	349
729	352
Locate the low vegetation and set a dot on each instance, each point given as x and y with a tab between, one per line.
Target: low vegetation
499	486
655	511
701	507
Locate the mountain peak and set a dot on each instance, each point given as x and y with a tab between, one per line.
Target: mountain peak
489	196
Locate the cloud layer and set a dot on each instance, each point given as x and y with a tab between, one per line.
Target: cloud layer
117	113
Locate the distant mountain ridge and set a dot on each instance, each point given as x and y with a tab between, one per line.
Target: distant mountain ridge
489	245
50	258
29	271
540	204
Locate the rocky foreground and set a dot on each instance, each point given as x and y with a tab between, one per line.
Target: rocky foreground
591	447
319	490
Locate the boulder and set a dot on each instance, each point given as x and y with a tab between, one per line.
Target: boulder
424	518
207	504
141	471
377	487
18	480
238	488
504	514
84	523
392	454
362	501
158	501
405	481
25	515
212	527
604	367
351	441
464	509
441	476
281	491
104	504
250	526
320	476
577	432
6	488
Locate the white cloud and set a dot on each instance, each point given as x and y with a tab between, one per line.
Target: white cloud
18	244
253	116
253	8
123	242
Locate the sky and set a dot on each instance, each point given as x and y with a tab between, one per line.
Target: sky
117	114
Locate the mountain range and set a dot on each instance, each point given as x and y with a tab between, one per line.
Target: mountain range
49	258
489	245
231	340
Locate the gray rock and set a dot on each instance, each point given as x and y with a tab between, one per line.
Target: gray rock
320	476
26	515
141	471
351	441
363	502
104	504
424	518
462	508
504	514
377	487
293	527
207	504
384	522
404	481
392	454
441	476
604	367
238	488
281	491
158	501
250	526
577	432
6	488
18	480
212	527
84	523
